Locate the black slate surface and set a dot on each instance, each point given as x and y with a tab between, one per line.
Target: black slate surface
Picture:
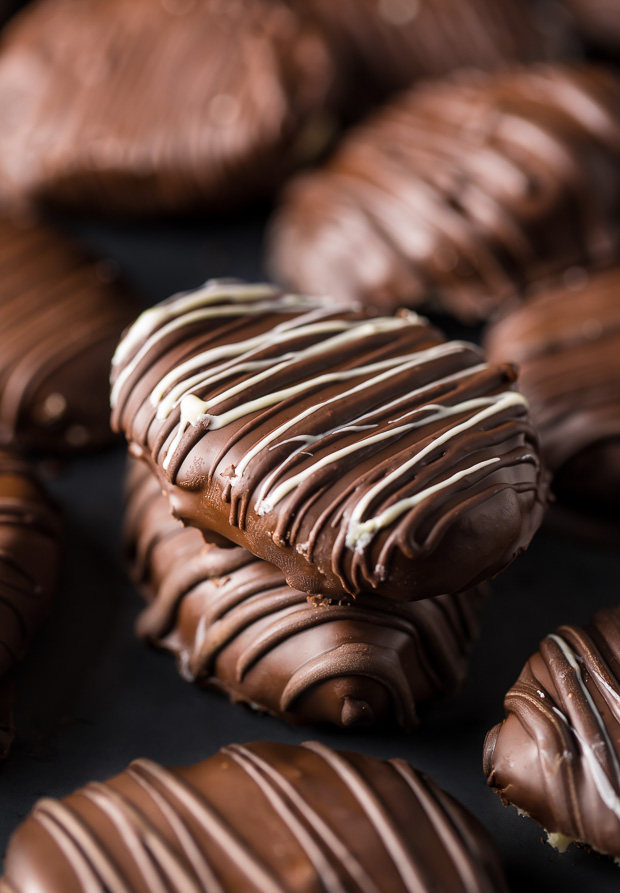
92	698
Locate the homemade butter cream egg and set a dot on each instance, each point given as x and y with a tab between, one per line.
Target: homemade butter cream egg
235	626
461	193
61	315
556	756
146	108
356	453
566	341
259	818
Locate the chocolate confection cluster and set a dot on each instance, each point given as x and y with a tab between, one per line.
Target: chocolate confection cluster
325	500
356	453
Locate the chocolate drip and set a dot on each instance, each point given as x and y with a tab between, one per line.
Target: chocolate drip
145	108
557	754
234	625
60	317
463	192
567	344
29	532
356	453
266	818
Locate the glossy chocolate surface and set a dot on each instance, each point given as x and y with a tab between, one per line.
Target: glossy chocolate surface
597	20
143	108
234	625
262	818
61	314
355	453
392	43
108	699
557	754
566	342
461	193
29	558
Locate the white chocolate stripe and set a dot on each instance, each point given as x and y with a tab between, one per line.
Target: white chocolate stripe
353	425
603	785
610	691
266	504
359	331
365	531
211	292
394	367
353	332
225	310
193	409
225	351
359	532
601	782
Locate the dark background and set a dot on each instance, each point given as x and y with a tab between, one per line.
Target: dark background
92	698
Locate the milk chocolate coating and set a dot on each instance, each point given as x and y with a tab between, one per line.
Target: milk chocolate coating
235	626
392	43
556	755
259	818
461	193
567	344
29	554
355	453
597	20
155	107
61	315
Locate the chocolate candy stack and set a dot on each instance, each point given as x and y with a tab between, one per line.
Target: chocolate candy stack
369	460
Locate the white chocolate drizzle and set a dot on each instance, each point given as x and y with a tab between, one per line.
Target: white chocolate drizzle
224	383
160	321
605	788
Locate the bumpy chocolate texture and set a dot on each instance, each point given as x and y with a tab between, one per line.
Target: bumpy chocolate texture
557	754
392	43
355	453
61	315
234	625
29	555
567	345
144	108
461	193
262	818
